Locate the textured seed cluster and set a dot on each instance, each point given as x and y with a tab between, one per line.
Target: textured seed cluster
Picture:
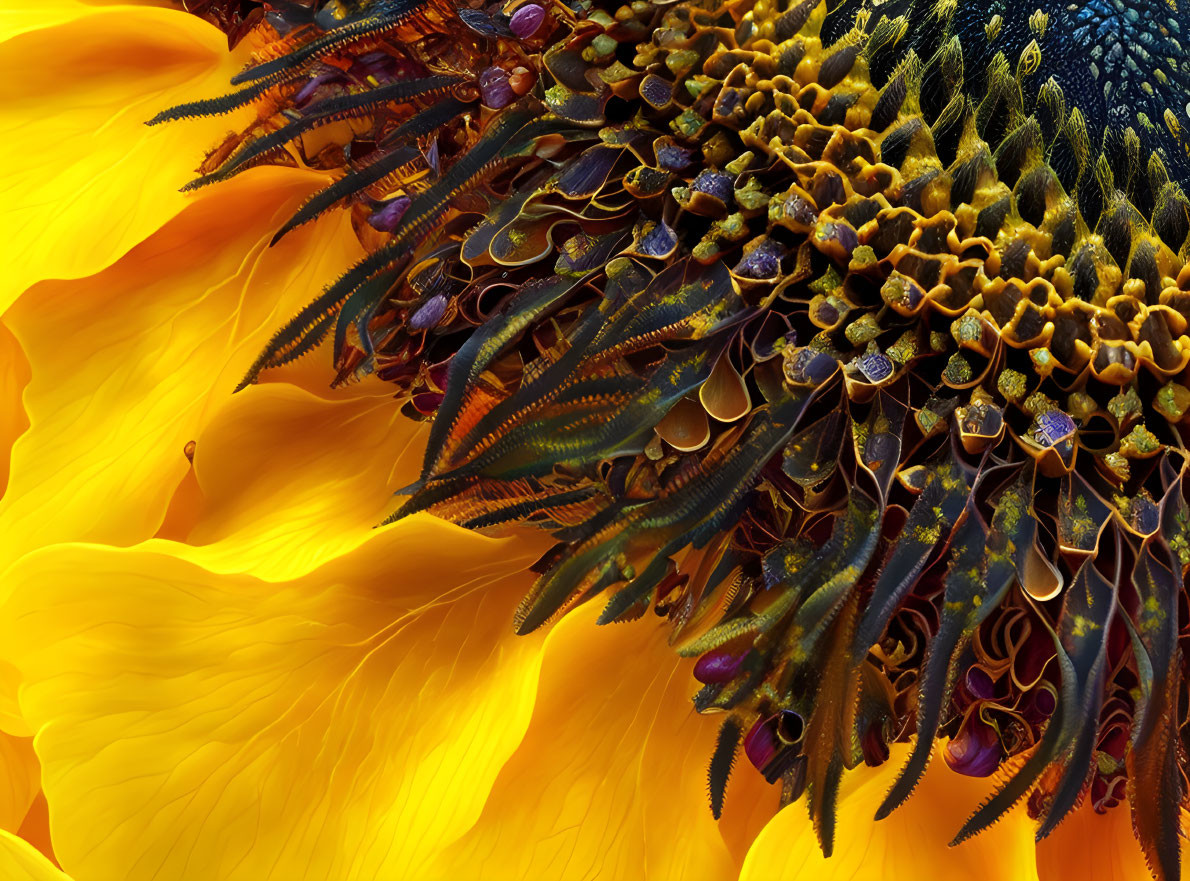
851	342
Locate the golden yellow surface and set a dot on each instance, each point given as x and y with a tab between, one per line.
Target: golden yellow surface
219	669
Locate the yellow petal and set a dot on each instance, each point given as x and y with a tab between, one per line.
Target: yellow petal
20	780
911	843
20	861
77	156
14	376
1087	845
344	724
35	828
610	779
32	15
750	804
11	721
22	16
286	479
130	364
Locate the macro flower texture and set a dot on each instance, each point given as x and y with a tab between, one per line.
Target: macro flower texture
594	439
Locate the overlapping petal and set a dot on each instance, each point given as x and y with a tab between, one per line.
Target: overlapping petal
128	365
288	479
1091	845
14	376
608	782
85	180
340	724
290	695
20	861
19	780
750	804
911	843
22	16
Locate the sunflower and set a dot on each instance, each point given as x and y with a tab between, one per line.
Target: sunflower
841	349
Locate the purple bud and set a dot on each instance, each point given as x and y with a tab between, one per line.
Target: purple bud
656	91
760	744
729	100
810	367
1040	706
659	241
980	684
717	666
433	157
439	373
799	210
770	744
1054	426
763	261
389	214
429	313
715	184
873	747
671	157
307	91
427	402
494	88
875	367
836	233
526	20
976	751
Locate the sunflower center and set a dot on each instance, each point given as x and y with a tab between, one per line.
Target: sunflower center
850	342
